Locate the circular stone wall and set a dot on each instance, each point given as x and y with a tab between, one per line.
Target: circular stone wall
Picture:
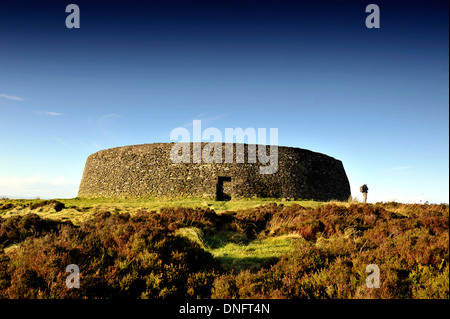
148	171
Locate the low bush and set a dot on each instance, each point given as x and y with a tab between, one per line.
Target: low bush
147	254
17	228
118	257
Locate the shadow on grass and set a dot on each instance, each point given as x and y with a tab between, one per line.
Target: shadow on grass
221	239
252	264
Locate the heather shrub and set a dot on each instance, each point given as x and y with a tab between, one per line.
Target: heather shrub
337	281
428	282
225	287
56	205
282	280
6	206
117	257
145	254
17	228
254	220
411	252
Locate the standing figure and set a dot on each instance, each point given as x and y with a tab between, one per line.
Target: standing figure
364	189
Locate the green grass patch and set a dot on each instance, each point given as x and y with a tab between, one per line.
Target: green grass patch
238	254
256	254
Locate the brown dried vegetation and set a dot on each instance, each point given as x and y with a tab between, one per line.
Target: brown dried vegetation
141	256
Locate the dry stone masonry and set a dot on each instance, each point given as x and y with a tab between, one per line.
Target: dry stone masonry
148	171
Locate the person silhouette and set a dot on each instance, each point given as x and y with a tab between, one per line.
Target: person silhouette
364	189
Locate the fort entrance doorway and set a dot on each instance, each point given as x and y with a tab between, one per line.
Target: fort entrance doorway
223	191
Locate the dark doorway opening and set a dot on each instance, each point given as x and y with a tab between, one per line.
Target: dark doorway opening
223	188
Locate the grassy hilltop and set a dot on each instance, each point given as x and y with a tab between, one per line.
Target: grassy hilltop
197	248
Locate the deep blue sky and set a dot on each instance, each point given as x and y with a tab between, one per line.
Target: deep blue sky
377	99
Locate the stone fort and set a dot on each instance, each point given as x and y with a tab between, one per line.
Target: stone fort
148	171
